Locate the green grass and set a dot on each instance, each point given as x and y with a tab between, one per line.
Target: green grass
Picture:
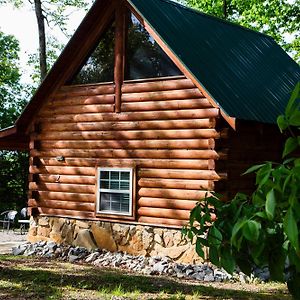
36	278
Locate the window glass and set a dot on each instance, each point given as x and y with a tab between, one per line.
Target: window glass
144	57
115	191
99	67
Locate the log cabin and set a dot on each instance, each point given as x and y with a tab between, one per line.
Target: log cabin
150	106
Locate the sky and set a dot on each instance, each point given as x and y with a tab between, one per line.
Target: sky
25	30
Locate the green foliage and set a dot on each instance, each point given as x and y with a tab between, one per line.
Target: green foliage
13	165
277	18
261	229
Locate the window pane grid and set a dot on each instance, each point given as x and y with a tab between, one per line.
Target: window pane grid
115	191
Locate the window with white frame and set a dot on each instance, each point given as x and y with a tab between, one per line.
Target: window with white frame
115	191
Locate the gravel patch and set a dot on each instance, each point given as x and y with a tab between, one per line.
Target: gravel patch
158	265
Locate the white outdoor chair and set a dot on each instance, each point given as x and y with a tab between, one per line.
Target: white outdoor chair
7	218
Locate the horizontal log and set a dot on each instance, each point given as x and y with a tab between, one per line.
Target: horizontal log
172	193
67	179
75	197
162	85
162	221
129	153
176	183
63	170
137	125
131	135
166	203
62	187
179	94
166	105
81	100
66	213
76	109
56	204
201	164
180	174
85	90
164	213
130	144
132	116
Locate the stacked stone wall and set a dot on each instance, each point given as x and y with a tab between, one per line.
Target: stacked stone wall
132	239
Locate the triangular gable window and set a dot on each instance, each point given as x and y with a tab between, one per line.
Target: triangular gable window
144	57
99	67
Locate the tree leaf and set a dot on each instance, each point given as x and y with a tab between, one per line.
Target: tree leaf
282	123
270	204
291	104
291	145
199	248
251	230
214	255
215	236
227	260
291	229
253	169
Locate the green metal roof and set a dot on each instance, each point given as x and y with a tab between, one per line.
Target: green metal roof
245	72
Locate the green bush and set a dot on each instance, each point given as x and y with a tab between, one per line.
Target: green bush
261	229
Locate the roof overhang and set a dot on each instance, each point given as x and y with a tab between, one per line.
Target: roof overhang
11	139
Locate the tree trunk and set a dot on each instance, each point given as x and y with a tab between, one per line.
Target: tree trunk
42	38
225	9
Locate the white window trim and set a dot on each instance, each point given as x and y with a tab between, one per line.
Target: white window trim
130	191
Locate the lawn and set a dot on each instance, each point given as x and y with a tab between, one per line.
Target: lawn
37	278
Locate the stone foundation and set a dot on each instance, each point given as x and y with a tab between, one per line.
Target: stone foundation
132	239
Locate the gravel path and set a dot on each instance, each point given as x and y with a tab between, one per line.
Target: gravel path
11	236
9	239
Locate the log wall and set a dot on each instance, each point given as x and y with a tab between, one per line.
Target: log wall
252	143
166	128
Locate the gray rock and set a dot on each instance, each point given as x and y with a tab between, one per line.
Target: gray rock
19	250
209	278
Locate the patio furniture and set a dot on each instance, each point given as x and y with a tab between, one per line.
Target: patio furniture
7	218
24	221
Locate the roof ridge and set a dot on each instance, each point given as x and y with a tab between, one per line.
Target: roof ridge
193	10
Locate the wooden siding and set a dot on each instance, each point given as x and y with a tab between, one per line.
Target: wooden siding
166	128
252	143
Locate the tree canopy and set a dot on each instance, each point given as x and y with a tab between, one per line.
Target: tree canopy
13	165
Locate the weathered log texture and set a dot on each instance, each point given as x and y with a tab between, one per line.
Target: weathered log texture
172	193
80	100
165	129
164	213
132	116
66	179
162	221
134	135
137	86
122	153
203	164
181	174
176	183
166	95
130	144
62	187
76	109
167	203
135	125
62	204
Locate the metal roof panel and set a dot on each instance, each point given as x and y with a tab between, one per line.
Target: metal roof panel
246	72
